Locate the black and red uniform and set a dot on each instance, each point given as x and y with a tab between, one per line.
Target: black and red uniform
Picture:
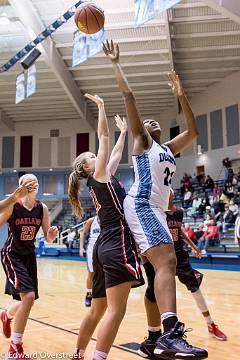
18	254
115	259
184	271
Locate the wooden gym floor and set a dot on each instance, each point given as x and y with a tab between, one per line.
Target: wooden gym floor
56	316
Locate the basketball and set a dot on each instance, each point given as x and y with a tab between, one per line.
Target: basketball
89	18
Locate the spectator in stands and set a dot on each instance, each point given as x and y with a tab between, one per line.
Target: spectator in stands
199	232
234	208
187	181
210	237
189	232
187	199
224	198
195	206
237	230
208	184
228	218
229	189
217	191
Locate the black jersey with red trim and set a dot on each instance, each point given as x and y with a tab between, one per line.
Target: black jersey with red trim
174	221
23	226
108	200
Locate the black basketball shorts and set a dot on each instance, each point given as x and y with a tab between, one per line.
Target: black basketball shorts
21	273
115	260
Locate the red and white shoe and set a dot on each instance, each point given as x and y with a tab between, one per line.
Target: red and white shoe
214	331
16	352
6	324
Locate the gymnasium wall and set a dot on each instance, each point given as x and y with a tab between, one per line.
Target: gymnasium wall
58	152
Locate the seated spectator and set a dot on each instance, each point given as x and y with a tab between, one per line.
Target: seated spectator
229	189
208	184
189	232
70	238
195	207
234	208
199	232
210	237
224	198
237	230
228	218
217	192
187	199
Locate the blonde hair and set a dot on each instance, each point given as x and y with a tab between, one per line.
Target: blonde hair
26	177
74	184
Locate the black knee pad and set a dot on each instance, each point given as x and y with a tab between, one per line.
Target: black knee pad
150	273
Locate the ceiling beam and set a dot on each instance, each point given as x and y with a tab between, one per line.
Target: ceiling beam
26	12
228	8
5	119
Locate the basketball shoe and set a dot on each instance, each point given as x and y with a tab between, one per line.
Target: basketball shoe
173	345
6	324
214	331
146	349
16	352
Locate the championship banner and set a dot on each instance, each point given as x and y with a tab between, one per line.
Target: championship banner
167	4
96	41
144	11
20	88
79	48
31	80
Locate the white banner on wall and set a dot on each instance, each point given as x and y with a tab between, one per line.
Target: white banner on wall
144	11
96	41
167	4
79	48
20	88
31	80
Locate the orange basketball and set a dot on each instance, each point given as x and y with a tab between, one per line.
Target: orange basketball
89	18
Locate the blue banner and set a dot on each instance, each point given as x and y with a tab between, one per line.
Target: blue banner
144	11
20	88
167	4
96	41
79	48
31	80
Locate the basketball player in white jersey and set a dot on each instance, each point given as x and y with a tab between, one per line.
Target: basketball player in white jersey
91	230
147	200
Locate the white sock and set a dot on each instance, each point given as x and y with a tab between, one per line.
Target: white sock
99	355
17	338
201	303
167	315
89	291
154	328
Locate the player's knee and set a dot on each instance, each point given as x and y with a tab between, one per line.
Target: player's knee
28	299
150	273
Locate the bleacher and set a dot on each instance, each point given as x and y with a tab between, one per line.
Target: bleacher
66	220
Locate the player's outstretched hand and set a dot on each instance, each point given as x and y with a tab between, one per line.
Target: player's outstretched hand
25	189
121	123
95	98
111	51
175	83
52	233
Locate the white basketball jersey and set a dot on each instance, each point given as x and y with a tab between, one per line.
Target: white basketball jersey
153	174
94	231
